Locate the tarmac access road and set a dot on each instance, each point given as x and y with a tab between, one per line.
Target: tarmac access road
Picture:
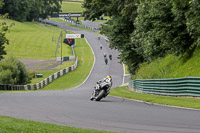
73	108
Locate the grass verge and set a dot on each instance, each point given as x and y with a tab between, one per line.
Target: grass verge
12	125
186	102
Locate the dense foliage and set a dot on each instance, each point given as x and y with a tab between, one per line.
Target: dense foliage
28	10
143	30
12	71
3	29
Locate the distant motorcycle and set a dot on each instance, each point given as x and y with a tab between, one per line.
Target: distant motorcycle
110	57
102	88
106	60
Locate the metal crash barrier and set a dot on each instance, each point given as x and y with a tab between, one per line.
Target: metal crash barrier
188	86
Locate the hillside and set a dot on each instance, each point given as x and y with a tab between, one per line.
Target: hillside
171	67
32	40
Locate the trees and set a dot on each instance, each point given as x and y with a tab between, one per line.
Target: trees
143	30
1	4
3	39
12	71
23	10
48	7
162	30
192	16
17	9
3	29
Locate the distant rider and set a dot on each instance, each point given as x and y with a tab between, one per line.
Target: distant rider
105	58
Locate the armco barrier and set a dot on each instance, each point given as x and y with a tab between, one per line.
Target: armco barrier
43	83
188	86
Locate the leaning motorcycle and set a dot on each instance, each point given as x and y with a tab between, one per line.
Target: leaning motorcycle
101	90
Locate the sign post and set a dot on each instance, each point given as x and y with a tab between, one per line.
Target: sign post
61	46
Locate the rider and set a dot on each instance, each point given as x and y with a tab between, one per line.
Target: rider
110	56
107	80
105	58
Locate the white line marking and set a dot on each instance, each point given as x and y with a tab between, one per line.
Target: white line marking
123	74
157	104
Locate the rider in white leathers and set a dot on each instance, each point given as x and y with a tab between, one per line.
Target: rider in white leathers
101	83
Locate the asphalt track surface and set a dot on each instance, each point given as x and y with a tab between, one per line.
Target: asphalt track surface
73	107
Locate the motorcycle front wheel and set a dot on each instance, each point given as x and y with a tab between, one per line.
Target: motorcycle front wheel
100	96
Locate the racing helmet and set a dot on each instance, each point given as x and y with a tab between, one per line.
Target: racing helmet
108	77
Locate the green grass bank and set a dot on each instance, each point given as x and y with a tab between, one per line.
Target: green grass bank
171	66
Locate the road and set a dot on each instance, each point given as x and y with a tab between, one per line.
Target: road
91	24
73	107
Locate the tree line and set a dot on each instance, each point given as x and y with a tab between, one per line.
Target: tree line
144	30
29	10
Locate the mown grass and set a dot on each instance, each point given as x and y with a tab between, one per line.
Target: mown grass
31	40
74	78
165	100
12	125
71	7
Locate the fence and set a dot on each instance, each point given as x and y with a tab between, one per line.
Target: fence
72	22
188	86
43	83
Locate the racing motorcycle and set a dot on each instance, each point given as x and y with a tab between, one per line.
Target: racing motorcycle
102	88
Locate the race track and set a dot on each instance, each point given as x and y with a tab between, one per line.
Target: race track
73	107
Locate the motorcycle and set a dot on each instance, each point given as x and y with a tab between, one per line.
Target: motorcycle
110	57
101	90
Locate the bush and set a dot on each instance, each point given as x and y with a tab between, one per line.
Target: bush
12	71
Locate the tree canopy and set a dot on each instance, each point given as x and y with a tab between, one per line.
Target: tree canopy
3	29
12	71
143	30
28	10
